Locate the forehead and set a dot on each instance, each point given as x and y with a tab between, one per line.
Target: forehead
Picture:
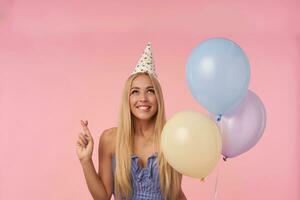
141	81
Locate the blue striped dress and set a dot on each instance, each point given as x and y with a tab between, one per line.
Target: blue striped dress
145	181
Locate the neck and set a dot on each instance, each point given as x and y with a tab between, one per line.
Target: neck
143	128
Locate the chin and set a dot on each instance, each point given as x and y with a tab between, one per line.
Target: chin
144	117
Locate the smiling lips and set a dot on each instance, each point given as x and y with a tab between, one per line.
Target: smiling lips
143	107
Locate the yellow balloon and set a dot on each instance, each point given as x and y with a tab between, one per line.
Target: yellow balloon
191	143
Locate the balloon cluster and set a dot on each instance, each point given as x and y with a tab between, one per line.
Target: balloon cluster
218	74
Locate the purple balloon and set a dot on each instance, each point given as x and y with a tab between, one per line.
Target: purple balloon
242	127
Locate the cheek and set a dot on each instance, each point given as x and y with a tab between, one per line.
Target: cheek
131	102
154	101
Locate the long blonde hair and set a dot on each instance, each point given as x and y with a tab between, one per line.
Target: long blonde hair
170	179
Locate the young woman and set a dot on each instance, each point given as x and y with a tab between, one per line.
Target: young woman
131	163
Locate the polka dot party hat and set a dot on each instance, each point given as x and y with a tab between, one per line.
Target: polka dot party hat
146	62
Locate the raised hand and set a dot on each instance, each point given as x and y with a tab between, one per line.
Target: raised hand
85	143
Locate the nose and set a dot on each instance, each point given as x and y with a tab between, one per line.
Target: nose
142	97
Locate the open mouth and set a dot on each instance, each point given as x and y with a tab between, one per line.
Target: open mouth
144	108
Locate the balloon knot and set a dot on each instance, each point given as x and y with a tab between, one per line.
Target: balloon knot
219	118
225	159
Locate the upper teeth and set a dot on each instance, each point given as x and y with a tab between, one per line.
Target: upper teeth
143	107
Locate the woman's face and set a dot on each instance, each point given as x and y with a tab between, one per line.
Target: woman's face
142	98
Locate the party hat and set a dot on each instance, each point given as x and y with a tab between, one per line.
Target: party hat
146	62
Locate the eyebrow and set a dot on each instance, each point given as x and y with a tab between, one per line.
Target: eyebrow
139	88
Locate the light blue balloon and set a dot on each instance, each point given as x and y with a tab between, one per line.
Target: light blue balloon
218	74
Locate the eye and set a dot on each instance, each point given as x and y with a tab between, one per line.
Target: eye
134	91
151	91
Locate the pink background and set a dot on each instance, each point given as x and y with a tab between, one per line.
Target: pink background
62	62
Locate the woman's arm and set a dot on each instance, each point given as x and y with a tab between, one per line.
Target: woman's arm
99	189
94	183
181	194
105	152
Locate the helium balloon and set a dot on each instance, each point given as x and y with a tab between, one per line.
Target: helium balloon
191	143
218	74
242	127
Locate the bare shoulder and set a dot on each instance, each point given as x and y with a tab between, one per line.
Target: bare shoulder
108	139
109	134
